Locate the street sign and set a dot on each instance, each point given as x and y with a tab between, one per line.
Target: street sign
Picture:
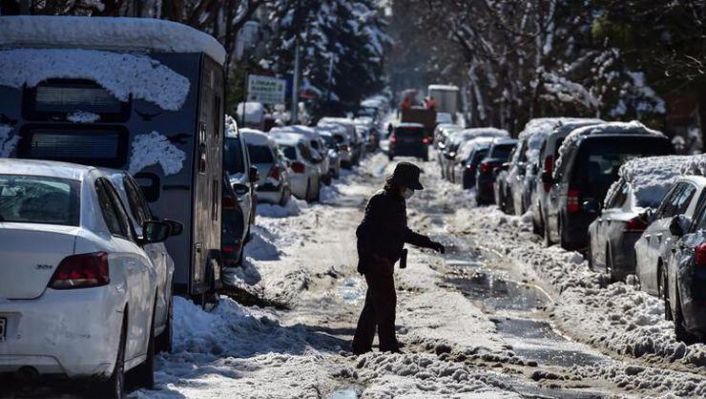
266	89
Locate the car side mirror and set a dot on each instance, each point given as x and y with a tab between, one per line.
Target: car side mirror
176	227
677	226
590	206
547	178
253	174
240	189
154	231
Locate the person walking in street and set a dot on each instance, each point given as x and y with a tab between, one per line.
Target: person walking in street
381	238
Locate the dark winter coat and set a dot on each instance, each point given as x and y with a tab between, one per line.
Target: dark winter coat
383	231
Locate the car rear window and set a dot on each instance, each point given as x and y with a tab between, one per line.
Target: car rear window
502	151
478	156
37	199
410	132
289	152
233	160
260	154
599	159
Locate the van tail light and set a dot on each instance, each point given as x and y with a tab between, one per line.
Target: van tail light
549	169
228	249
572	201
274	173
344	147
298	167
229	202
393	139
700	255
426	141
81	271
636	224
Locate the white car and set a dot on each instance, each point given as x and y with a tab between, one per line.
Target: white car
305	179
273	185
316	144
343	141
77	289
353	135
139	212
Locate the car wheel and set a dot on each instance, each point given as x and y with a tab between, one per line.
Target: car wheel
286	193
589	254
143	375
662	292
536	228
165	340
390	156
114	387
679	328
425	157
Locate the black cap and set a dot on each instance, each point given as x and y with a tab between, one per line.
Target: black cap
406	174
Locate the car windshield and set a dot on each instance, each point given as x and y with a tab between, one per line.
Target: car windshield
330	142
38	199
289	152
233	160
260	154
502	152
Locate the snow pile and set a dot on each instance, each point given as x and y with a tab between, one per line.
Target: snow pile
124	75
651	177
618	318
254	112
696	165
633	127
155	148
8	141
83	117
126	34
293	207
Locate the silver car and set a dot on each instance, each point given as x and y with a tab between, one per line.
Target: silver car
273	182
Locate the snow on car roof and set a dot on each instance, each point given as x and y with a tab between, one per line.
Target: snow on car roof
443	87
124	75
537	130
651	177
105	33
471	145
31	167
633	127
287	138
460	136
301	130
255	137
696	165
409	125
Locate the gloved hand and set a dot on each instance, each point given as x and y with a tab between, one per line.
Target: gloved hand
438	247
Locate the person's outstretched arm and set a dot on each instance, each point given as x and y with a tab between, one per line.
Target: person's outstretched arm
421	240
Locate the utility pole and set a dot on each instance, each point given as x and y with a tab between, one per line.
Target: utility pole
295	83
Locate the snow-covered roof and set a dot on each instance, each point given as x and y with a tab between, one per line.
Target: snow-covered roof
57	169
301	130
461	136
696	165
633	127
537	130
255	137
254	112
287	138
471	145
105	33
443	87
650	178
409	125
124	75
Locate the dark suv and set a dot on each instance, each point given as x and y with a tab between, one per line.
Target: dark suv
588	164
498	154
410	139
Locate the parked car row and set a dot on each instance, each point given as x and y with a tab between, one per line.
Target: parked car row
615	192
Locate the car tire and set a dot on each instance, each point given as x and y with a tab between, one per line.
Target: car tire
114	386
536	228
547	236
680	331
662	292
143	375
390	156
609	267
286	193
165	340
317	194
589	254
425	157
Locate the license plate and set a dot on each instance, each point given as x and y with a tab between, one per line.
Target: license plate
3	323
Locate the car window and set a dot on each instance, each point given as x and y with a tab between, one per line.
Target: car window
289	152
664	208
502	151
233	160
109	211
38	199
260	154
138	206
304	150
684	199
617	200
478	156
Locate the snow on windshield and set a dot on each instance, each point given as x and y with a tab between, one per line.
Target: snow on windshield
124	75
7	141
155	148
651	177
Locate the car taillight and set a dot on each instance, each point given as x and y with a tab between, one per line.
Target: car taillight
700	255
484	168
393	139
229	202
274	173
636	224
548	169
228	249
426	141
572	201
81	271
298	167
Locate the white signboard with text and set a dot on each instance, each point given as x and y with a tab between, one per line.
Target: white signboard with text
266	89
